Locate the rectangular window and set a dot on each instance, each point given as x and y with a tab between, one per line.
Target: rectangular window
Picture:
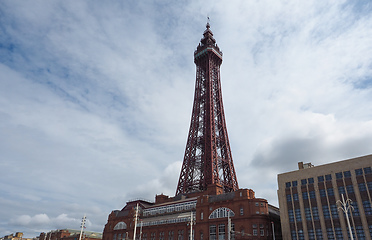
288	184
241	211
298	215
326	213
170	235
295	197
330	234
330	192
180	235
349	188
305	195
311	234
289	198
338	232
360	232
254	232
334	211
356	209
312	194
362	187
294	183
303	181
212	232
315	213
359	172
367	170
341	190
310	180
339	175
322	193
301	235
221	231
328	177
161	236
347	174
321	179
262	232
307	214
290	215
367	207
319	234
294	235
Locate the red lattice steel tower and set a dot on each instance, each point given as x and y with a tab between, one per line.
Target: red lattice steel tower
208	160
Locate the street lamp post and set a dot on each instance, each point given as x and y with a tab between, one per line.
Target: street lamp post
191	223
135	223
83	221
140	237
345	206
228	226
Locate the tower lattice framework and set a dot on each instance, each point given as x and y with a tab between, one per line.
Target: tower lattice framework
208	160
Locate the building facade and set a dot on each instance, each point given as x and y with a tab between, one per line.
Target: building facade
310	200
208	203
69	234
206	216
16	236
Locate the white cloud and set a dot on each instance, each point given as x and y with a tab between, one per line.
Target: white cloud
35	221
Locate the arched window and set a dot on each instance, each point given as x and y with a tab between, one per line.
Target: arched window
221	213
120	225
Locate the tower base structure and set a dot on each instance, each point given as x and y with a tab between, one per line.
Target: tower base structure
233	215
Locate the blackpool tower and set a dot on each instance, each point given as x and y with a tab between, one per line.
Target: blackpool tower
208	160
208	203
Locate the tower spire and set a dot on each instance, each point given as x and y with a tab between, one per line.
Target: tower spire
208	160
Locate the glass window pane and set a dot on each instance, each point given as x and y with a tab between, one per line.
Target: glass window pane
321	179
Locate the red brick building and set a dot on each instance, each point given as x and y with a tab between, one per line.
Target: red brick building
170	218
208	202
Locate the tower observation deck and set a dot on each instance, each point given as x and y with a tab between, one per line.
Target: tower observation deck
208	160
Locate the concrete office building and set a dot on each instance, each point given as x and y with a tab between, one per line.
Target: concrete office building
309	200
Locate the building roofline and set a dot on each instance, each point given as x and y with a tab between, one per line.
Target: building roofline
337	162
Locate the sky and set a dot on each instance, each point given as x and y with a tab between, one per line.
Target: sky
96	98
